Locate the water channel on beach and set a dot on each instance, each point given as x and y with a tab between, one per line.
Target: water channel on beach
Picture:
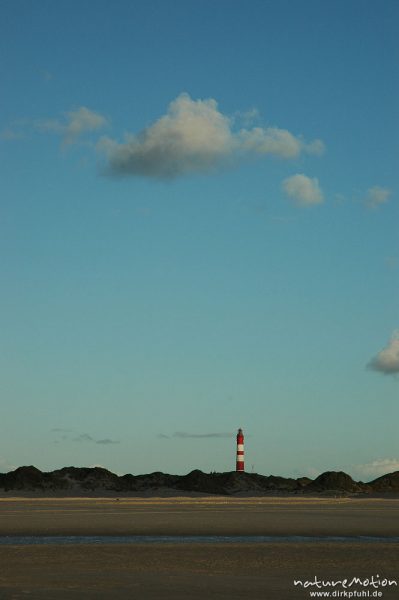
195	539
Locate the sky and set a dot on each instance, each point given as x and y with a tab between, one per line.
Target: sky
199	232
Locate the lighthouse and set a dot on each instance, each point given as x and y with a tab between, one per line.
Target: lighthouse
240	451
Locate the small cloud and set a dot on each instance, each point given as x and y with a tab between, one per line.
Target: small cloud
194	136
50	126
376	468
83	437
303	190
9	135
74	124
185	435
274	141
377	196
246	117
387	360
316	148
162	436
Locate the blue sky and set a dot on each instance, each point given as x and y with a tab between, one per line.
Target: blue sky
199	232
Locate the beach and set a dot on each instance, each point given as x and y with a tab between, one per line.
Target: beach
192	570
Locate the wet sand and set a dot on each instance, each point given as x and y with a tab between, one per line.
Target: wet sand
189	572
192	571
199	516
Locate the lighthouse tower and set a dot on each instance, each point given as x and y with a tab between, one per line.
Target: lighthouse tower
240	451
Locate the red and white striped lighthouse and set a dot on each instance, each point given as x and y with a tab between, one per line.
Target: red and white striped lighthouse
240	451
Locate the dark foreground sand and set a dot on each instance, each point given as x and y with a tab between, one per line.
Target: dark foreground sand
254	571
194	571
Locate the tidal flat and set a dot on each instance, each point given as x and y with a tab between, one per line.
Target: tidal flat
192	570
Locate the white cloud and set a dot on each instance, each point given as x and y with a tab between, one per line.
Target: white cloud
278	142
376	196
303	190
247	117
74	124
376	468
387	360
316	147
364	472
195	137
272	140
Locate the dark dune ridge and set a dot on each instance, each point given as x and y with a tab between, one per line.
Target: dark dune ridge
70	481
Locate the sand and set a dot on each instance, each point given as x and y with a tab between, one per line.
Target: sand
194	571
